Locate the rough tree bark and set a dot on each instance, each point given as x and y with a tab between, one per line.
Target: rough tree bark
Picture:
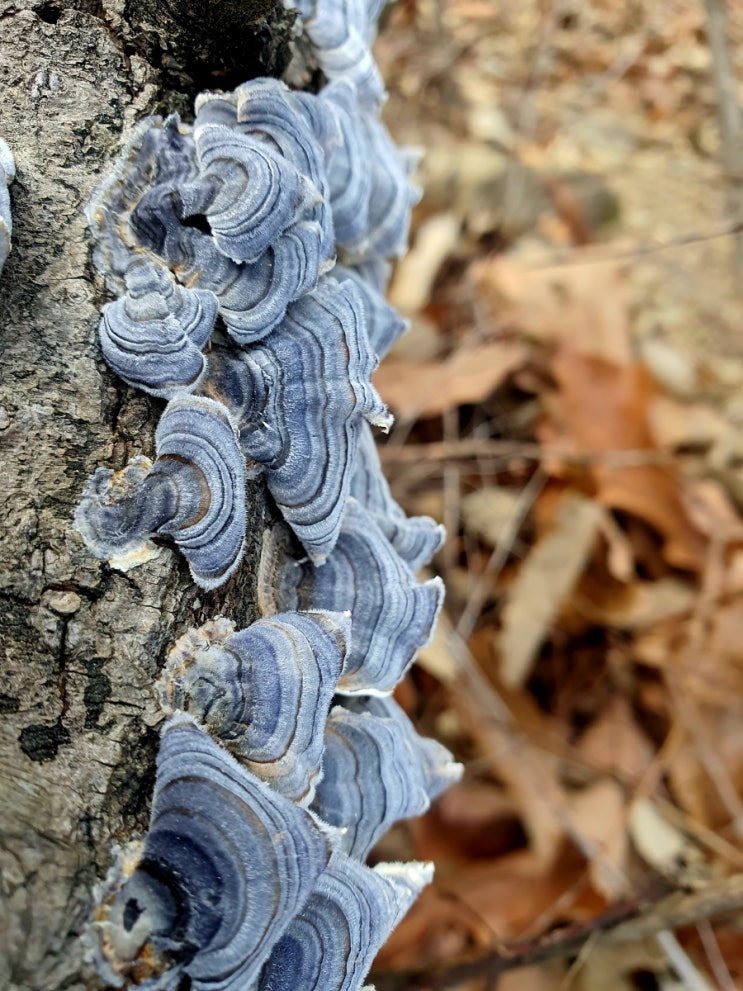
81	642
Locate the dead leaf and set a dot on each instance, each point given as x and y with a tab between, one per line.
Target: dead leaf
609	967
468	376
549	976
585	305
675	424
543	582
530	774
620	559
660	844
510	896
599	827
602	408
614	743
487	511
437	657
638	605
415	273
474	820
670	367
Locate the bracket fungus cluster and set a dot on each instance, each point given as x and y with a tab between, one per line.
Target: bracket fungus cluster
283	757
7	175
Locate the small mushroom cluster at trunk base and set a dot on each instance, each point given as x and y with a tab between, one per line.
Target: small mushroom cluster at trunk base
249	253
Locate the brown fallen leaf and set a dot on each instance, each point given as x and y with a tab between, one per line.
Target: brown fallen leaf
474	820
415	273
545	579
487	511
602	408
614	743
510	896
437	657
598	821
468	376
709	670
638	604
659	843
585	305
529	773
675	424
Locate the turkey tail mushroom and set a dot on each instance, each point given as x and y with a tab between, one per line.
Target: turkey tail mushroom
194	492
392	614
7	174
376	771
264	692
225	867
331	944
218	236
415	538
153	336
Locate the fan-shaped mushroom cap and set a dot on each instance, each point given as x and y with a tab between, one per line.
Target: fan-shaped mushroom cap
377	770
331	944
153	336
415	538
195	492
225	867
311	382
263	692
392	614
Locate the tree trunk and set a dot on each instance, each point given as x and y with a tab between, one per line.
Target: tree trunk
83	642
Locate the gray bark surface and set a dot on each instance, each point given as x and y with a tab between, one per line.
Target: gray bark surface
81	643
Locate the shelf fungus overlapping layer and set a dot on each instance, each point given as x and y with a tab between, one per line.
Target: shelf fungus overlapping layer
263	692
377	770
283	758
194	492
415	538
7	174
333	941
392	613
153	336
342	31
225	867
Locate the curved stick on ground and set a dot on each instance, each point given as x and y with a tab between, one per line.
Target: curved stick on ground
263	692
224	869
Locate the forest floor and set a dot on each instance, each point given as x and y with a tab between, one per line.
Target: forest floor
569	401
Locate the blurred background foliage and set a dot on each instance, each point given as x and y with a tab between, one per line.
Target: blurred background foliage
569	402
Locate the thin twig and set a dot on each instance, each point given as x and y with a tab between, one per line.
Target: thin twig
603	255
480	447
731	135
716	960
500	554
629	921
679	959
